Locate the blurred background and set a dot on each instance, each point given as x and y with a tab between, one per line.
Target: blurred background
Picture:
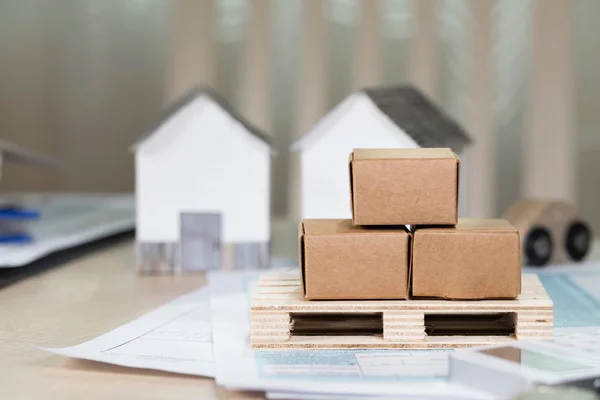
81	80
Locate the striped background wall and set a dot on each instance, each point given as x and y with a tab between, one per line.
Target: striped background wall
82	79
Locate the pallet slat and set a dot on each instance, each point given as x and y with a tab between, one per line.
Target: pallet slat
403	321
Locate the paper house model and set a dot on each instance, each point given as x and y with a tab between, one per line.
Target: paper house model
380	117
202	189
13	153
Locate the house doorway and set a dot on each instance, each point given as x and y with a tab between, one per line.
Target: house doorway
200	241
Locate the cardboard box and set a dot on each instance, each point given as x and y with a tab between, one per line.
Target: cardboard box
404	186
343	261
476	259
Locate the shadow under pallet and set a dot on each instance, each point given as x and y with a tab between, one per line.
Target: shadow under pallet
282	319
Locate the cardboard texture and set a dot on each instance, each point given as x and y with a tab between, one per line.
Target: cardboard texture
476	259
404	186
343	261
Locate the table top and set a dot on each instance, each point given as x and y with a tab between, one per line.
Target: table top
77	302
82	300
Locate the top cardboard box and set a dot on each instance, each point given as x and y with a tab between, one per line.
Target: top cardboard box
404	186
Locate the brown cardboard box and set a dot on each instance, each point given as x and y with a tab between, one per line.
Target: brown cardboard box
476	259
343	261
404	186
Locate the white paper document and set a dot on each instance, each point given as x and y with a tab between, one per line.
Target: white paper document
177	338
412	373
174	338
68	220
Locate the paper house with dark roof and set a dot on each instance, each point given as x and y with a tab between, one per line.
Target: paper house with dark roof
202	189
13	153
379	117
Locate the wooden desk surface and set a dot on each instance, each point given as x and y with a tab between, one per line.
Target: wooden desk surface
74	303
79	301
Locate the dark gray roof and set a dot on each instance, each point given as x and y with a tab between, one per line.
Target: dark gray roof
418	116
188	98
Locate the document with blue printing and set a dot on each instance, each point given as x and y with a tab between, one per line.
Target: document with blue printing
66	221
413	373
575	290
178	337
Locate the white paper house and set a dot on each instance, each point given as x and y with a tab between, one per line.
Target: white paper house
202	189
380	117
13	153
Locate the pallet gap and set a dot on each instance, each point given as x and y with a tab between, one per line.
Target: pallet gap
463	324
337	324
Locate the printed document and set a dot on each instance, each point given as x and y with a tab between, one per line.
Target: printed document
413	373
174	338
67	220
575	291
177	338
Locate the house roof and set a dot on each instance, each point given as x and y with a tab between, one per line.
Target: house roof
15	153
418	116
190	96
406	107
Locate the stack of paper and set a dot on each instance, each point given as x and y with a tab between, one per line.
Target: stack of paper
66	221
177	338
14	221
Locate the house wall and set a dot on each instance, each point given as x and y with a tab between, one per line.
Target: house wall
203	160
165	258
325	185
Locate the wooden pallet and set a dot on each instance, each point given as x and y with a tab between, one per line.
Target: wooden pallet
278	308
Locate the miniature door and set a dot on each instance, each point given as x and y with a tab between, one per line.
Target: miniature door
200	241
